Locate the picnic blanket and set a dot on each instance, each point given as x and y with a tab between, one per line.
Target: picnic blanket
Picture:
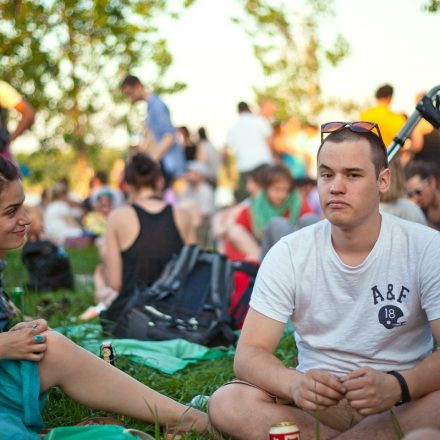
167	356
105	432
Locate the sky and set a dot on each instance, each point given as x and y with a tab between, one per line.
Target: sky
391	41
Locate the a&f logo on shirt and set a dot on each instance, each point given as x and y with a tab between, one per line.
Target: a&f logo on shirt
390	314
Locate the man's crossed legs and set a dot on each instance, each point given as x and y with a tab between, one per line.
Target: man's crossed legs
241	411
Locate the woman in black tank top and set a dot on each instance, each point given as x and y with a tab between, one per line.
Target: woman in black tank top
143	236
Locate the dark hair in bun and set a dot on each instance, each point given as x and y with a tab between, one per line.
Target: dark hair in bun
8	173
142	172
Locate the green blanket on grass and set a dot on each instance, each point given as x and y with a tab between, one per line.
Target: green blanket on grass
105	432
167	356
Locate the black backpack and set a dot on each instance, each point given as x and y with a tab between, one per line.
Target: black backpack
48	266
190	300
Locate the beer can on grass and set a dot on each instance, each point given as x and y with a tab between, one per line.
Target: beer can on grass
284	431
107	353
18	298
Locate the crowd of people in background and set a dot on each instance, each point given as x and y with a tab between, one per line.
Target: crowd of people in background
239	198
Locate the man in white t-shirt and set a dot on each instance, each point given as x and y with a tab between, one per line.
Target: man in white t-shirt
363	292
248	139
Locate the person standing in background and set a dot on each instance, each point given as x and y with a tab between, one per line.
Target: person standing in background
189	146
11	99
389	122
248	139
160	141
208	155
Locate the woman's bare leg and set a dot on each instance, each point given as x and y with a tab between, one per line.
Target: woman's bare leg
92	382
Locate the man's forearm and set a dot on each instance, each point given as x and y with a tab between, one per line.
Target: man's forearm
261	368
424	378
22	126
164	145
27	118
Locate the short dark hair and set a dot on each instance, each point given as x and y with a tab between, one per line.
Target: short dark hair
142	172
130	80
202	134
259	174
243	107
422	169
385	91
184	130
8	173
377	147
278	172
102	176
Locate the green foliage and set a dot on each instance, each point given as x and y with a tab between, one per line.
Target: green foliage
289	47
432	6
68	57
48	166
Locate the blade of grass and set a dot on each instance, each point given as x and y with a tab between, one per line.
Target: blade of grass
396	426
317	424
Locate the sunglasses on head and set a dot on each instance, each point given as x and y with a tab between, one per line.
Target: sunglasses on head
417	191
357	127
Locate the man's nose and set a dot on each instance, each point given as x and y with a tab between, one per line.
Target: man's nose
338	185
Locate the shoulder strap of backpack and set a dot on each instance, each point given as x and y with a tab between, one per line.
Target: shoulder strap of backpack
176	271
219	296
244	266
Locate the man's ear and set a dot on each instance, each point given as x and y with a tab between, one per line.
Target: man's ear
432	181
384	180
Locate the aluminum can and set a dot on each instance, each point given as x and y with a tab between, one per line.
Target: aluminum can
284	431
107	353
18	298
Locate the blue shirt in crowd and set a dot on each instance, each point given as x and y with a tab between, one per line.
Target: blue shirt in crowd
159	123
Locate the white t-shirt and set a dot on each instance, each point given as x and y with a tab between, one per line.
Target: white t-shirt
247	139
405	209
56	227
375	314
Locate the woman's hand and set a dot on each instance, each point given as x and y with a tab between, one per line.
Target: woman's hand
24	342
36	324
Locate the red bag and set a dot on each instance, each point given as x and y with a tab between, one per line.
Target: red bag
244	274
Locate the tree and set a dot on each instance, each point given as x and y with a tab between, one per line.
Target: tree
289	48
68	56
432	6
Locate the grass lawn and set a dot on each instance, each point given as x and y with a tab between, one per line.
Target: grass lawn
62	308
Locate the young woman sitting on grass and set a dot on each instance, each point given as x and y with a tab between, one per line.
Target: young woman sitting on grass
33	358
142	236
278	199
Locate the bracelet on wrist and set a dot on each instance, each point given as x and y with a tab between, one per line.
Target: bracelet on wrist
406	397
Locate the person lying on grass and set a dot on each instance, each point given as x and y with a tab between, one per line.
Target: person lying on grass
33	358
362	289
